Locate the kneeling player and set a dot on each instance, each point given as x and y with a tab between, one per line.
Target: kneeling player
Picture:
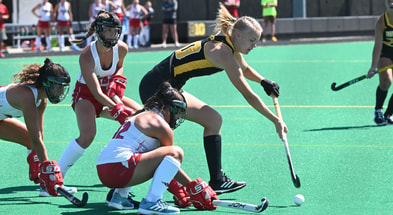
142	149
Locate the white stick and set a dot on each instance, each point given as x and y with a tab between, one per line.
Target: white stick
243	206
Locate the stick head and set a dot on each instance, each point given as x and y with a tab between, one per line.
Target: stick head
81	203
296	182
263	206
333	86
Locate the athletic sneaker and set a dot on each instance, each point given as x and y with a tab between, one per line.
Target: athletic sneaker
70	190
389	119
379	119
226	185
112	202
158	207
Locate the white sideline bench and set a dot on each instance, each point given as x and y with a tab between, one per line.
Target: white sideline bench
17	38
14	31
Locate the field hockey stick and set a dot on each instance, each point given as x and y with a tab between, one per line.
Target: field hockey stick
295	178
116	99
75	201
355	80
243	206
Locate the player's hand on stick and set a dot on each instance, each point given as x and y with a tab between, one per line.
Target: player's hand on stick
120	112
270	87
281	129
117	85
201	195
34	167
180	195
50	176
371	72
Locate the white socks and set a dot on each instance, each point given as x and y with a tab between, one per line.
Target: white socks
70	155
129	39
48	42
60	40
38	42
163	175
123	192
136	40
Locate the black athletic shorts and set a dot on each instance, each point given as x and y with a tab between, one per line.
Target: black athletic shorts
387	52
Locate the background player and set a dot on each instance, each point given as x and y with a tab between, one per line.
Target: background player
45	16
136	12
63	13
382	56
209	56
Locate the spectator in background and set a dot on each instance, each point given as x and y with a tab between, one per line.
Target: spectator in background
144	37
45	16
117	7
269	13
63	13
169	9
232	6
95	7
135	14
3	36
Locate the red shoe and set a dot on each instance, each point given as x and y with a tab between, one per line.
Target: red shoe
180	194
2	54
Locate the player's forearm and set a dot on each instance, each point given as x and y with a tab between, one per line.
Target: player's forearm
260	106
39	148
252	75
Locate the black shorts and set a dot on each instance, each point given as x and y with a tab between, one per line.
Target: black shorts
152	80
387	52
169	21
271	19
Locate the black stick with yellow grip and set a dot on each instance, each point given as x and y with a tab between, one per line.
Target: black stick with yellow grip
355	80
295	178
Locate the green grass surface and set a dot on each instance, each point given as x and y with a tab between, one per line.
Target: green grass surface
343	160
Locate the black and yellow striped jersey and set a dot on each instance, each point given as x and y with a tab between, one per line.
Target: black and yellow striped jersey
183	64
388	31
190	61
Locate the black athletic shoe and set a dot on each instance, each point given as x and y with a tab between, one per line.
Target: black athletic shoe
379	119
389	119
226	185
130	196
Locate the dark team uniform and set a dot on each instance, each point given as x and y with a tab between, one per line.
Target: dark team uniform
387	47
181	65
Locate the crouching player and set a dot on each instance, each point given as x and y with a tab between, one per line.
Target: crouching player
142	149
27	97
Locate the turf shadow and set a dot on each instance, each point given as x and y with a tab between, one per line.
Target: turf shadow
9	190
342	128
